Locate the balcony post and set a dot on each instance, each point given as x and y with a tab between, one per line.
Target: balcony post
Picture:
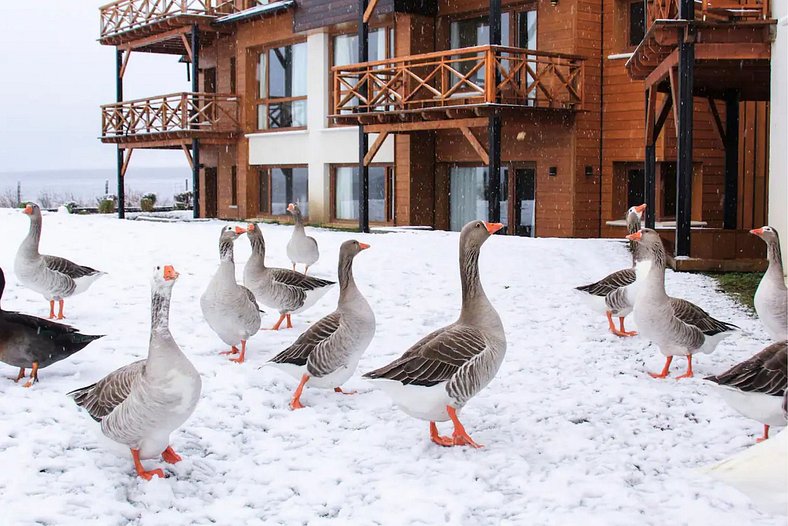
731	159
684	161
195	45
363	139
494	126
651	160
119	160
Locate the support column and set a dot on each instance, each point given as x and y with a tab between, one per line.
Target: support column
119	98
650	170
684	162
363	139
494	126
195	44
731	159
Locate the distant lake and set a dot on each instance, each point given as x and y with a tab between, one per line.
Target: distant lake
84	186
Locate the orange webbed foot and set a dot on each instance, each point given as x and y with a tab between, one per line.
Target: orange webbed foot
439	439
170	456
233	350
761	439
339	390
295	403
685	375
464	439
658	375
147	475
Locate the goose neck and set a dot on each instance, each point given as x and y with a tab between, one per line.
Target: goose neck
774	257
347	284
30	243
474	299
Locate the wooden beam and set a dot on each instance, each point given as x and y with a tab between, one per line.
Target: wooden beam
153	39
651	109
126	160
662	115
368	11
674	93
188	156
373	150
475	144
663	70
404	127
733	51
126	57
716	119
188	46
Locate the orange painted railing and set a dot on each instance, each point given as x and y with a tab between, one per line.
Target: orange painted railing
125	15
724	10
460	77
176	112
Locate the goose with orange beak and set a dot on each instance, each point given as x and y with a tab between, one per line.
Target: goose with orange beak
676	326
327	354
438	375
771	297
634	217
229	308
301	248
141	404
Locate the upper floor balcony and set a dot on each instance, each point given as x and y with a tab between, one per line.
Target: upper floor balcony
463	82
171	120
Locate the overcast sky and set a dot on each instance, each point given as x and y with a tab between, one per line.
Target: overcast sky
54	76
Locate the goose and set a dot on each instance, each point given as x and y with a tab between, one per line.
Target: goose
755	387
677	327
436	377
141	403
771	297
54	277
287	291
301	248
27	341
229	308
326	355
634	217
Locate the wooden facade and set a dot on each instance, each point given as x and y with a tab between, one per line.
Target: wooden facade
570	99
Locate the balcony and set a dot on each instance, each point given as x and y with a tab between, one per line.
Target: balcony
468	82
732	45
169	121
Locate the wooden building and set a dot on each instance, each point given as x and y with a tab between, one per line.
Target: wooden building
549	94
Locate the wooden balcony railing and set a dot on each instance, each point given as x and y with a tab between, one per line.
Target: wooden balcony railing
126	15
169	114
460	77
721	10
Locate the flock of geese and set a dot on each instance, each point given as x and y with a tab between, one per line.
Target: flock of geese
142	403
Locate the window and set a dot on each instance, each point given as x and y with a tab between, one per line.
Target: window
636	185
637	23
280	186
232	75
233	186
469	194
281	87
345	51
381	190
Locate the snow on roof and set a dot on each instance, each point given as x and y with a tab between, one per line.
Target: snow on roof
255	11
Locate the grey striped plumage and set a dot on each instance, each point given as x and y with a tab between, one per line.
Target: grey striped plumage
771	297
766	372
54	277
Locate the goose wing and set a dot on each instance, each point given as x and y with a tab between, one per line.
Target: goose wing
766	372
101	398
68	268
296	279
610	283
316	335
435	358
693	315
40	325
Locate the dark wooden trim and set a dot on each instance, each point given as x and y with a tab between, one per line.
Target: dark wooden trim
404	127
731	199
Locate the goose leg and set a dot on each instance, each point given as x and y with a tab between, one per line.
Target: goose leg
21	374
688	374
233	350
289	322
438	439
665	370
306	270
294	266
295	403
170	456
765	434
278	323
33	375
147	475
339	390
240	358
60	310
460	436
623	330
51	309
612	326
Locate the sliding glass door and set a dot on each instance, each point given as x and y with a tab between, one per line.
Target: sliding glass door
469	195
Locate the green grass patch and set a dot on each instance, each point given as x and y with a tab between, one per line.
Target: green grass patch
740	285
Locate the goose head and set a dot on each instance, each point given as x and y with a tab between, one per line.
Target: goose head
231	233
294	209
767	233
351	248
32	209
637	210
164	277
475	233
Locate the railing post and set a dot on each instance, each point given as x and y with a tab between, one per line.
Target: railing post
685	132
195	45
363	139
494	127
119	153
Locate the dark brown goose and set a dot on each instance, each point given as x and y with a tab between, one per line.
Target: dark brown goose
27	341
756	387
436	377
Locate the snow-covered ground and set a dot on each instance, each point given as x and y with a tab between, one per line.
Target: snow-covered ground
574	429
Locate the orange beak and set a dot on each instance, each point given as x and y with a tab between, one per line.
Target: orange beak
290	207
250	227
28	210
639	209
757	231
239	230
492	228
169	273
363	246
635	236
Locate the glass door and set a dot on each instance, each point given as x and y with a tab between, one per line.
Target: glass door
525	202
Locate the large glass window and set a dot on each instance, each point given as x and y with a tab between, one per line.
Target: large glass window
381	189
637	23
279	187
281	87
345	51
469	195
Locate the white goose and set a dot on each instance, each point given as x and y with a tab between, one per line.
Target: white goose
229	308
54	277
301	248
140	404
677	327
287	291
755	387
326	355
771	297
436	377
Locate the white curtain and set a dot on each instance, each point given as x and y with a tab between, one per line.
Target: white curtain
346	204
467	200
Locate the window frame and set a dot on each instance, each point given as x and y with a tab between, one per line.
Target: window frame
514	13
257	101
268	169
389	189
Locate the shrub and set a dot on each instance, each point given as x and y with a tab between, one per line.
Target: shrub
106	204
183	201
147	202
